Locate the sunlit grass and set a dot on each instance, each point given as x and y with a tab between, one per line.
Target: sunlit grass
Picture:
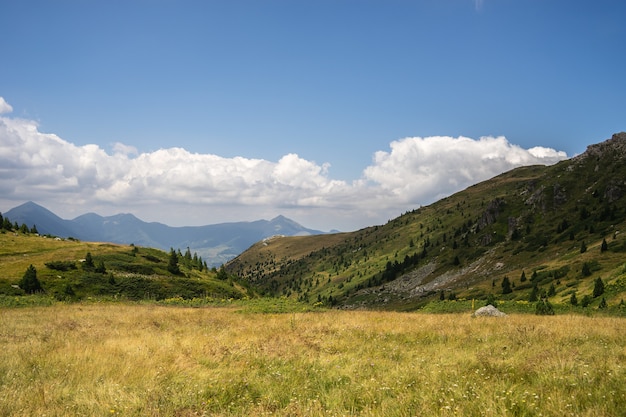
122	359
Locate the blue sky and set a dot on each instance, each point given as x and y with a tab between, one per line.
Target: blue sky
326	91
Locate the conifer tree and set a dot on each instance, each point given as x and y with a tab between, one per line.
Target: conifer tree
88	265
573	300
604	247
172	265
506	286
29	282
598	287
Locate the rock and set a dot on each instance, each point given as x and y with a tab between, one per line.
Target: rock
488	311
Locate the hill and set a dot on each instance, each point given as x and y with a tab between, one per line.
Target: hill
216	243
533	232
74	270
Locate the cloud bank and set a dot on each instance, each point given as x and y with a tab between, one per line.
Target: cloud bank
178	187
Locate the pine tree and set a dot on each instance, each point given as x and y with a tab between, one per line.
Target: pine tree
534	293
598	288
29	282
506	286
88	265
603	304
172	265
573	300
583	247
523	277
586	271
604	247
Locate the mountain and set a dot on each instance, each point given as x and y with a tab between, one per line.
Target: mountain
548	230
216	243
46	221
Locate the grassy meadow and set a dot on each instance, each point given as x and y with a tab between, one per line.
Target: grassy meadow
155	360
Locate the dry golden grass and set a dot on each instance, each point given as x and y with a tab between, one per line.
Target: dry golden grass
112	359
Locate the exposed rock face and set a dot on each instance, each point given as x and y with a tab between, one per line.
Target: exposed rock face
488	311
491	213
615	146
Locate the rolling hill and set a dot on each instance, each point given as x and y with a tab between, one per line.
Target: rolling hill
533	232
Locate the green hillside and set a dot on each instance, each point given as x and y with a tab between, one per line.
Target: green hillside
64	272
532	233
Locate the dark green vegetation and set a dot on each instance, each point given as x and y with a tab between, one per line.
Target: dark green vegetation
546	235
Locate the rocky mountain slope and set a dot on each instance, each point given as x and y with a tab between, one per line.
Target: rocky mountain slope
531	232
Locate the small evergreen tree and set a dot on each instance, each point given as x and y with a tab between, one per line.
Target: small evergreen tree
551	291
534	294
583	247
604	247
586	271
221	274
602	304
598	287
523	277
586	301
88	265
573	300
29	282
506	286
172	265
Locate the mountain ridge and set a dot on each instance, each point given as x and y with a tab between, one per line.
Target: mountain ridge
533	220
216	243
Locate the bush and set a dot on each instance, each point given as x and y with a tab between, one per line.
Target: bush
544	308
61	265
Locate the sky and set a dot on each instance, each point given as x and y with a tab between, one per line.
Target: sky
338	114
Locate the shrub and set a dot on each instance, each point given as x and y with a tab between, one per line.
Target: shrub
61	265
544	308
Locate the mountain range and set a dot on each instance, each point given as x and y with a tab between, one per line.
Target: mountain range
216	244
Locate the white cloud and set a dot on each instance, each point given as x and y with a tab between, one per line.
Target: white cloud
421	170
177	187
4	106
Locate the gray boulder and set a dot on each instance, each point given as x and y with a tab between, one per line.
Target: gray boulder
488	311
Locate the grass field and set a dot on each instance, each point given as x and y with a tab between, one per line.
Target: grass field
133	359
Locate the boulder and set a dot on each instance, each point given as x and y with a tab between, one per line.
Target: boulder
488	311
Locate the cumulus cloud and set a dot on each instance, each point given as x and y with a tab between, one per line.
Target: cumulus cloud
4	106
179	187
425	169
